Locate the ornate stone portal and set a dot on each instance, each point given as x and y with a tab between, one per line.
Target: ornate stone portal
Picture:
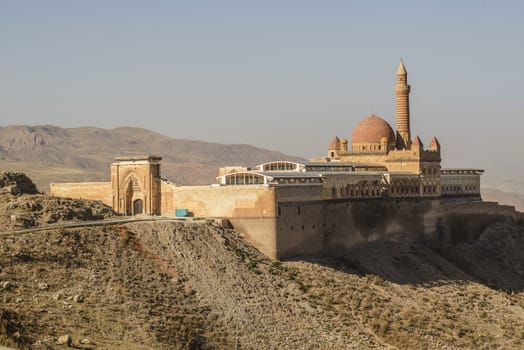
135	183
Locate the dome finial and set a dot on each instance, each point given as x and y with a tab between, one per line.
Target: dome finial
401	68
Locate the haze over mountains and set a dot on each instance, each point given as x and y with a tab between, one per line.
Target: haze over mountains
54	154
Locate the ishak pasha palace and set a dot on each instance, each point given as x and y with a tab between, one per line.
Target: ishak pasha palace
385	181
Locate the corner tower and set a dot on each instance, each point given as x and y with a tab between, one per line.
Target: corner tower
402	91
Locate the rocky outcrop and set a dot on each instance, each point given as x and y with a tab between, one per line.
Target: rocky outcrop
16	183
21	206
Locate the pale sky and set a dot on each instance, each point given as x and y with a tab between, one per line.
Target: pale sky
283	75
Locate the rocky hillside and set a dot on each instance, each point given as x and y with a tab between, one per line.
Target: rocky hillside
511	196
52	154
197	285
21	206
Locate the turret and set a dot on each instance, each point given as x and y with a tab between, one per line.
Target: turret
402	91
434	145
343	145
334	147
417	145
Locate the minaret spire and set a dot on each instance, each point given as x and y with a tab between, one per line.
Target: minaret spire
402	91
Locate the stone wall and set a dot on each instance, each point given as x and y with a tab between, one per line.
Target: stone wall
100	191
332	227
167	206
250	209
253	201
289	221
460	221
261	232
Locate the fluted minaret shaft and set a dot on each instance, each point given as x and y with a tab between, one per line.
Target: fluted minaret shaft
402	91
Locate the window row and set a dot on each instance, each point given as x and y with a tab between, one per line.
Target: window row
244	179
356	191
460	188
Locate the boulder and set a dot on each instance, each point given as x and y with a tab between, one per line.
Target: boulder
43	286
65	340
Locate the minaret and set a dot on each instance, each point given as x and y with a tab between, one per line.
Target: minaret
402	91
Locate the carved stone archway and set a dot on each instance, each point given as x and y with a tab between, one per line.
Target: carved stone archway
134	196
136	178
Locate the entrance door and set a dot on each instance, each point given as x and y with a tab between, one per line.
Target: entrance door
137	207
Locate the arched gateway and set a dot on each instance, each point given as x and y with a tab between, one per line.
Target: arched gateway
135	183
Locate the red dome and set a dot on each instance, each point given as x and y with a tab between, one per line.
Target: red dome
371	130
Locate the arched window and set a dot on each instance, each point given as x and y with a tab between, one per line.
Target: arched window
244	179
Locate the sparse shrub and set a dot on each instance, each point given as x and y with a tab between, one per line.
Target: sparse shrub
376	280
237	251
253	266
276	268
302	287
276	265
380	327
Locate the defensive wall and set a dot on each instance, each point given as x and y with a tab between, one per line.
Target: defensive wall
309	220
99	191
332	227
297	214
251	210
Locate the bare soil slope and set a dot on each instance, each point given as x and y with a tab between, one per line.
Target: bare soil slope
196	285
53	154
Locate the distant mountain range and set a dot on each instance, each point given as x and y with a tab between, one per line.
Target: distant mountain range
54	154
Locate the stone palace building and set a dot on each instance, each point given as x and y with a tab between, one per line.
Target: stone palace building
385	181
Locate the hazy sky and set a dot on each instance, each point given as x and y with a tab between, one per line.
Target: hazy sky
284	75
